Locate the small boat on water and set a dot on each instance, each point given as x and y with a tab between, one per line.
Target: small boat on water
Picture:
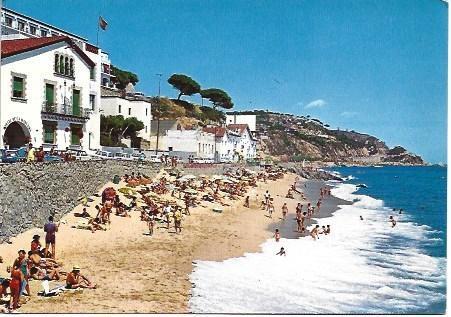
377	166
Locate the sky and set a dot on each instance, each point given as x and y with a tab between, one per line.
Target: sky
377	67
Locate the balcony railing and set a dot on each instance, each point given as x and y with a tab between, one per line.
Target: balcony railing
65	110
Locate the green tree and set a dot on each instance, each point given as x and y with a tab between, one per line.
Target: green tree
218	97
114	128
185	84
123	77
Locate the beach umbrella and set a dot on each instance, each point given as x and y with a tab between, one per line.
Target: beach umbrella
127	191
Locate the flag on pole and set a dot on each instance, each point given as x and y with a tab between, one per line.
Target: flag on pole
102	23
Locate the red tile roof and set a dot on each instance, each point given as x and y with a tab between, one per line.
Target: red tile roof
14	47
220	131
240	127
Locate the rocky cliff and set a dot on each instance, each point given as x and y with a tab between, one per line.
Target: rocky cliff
296	138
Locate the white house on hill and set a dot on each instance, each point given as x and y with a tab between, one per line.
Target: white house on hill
50	94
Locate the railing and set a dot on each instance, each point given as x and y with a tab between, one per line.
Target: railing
61	109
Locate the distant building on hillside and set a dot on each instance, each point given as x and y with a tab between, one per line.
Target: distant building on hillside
238	118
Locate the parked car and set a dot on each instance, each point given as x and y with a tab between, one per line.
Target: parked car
10	156
154	158
203	160
52	158
123	156
103	154
80	155
139	156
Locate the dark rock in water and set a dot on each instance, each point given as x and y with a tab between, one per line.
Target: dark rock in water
362	186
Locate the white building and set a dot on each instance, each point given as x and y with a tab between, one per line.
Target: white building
130	105
247	144
237	118
194	141
50	94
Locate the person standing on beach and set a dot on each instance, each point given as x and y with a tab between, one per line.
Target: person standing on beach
50	228
178	221
284	211
318	205
267	196
277	235
392	221
246	202
270	209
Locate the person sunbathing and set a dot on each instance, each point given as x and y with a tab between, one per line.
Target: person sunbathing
290	194
120	210
76	280
95	224
43	275
83	214
45	263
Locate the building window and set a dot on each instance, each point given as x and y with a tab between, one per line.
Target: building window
33	29
43	33
92	102
146	129
9	21
120	109
57	62
20	25
105	82
66	66
71	67
18	87
146	112
76	134
129	111
92	73
49	132
61	70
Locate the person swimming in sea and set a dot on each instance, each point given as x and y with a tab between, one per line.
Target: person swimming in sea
281	252
361	218
392	221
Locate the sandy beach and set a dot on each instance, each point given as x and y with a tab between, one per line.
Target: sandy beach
139	273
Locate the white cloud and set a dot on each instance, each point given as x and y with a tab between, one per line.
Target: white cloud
348	114
316	104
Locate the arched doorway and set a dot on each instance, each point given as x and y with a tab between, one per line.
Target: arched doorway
16	135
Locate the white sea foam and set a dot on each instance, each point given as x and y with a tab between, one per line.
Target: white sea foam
350	271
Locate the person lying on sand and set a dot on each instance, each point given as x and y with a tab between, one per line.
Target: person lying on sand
95	224
281	252
83	214
76	280
42	275
45	263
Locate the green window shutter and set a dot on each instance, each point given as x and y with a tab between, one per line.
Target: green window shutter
49	94
17	87
49	134
76	103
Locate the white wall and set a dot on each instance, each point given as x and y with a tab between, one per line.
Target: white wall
38	66
249	119
138	108
202	143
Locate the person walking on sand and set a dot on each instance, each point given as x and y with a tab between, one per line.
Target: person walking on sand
267	196
246	202
151	224
178	221
314	232
270	209
277	235
318	205
284	211
50	228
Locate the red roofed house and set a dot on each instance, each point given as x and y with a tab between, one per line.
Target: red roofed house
50	94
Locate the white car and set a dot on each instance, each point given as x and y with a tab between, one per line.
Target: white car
155	158
80	155
139	156
203	160
123	156
103	154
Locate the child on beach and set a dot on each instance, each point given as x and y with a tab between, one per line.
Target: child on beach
277	235
284	210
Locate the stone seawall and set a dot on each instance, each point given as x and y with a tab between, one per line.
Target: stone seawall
30	193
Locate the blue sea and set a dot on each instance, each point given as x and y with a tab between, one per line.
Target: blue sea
364	266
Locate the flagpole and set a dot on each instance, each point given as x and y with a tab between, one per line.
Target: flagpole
98	28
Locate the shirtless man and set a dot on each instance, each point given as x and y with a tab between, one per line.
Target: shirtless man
277	235
314	232
42	275
76	280
270	209
318	205
284	211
